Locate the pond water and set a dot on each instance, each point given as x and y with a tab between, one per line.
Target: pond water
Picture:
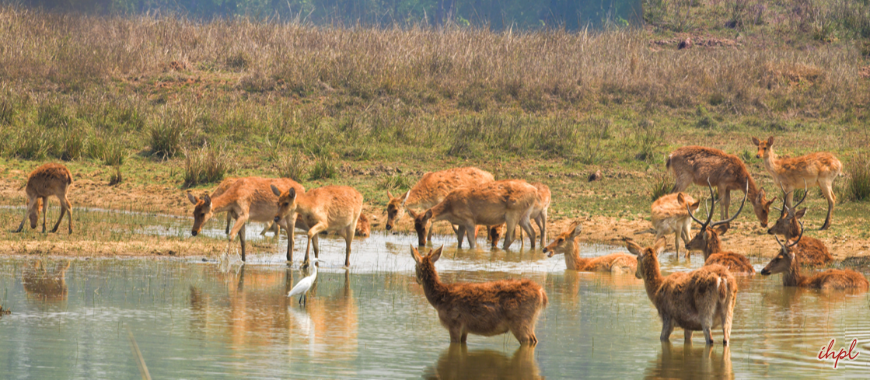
195	319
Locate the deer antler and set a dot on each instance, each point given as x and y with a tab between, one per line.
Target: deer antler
738	210
709	212
788	245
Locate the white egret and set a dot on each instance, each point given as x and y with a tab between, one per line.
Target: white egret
301	288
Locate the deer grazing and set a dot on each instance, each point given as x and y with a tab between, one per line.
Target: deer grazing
489	204
431	190
328	208
487	309
812	251
43	182
669	216
700	165
789	264
245	199
707	240
697	300
222	187
567	243
818	169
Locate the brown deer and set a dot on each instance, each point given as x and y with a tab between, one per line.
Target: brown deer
489	204
222	187
568	243
44	285
43	182
818	169
698	300
787	263
487	309
328	208
457	362
669	216
539	215
246	199
812	251
700	165
707	240
431	190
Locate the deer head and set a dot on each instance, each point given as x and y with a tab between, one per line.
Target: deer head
787	222
708	231
286	202
395	208
783	261
564	243
421	223
201	213
763	147
424	264
645	256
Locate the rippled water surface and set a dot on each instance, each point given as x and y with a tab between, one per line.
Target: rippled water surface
195	319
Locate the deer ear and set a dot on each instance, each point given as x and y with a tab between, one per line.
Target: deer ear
412	213
770	202
695	206
291	193
275	190
755	141
428	215
192	198
207	199
720	229
790	254
633	247
659	247
389	196
415	255
578	228
800	213
435	255
407	194
770	141
680	198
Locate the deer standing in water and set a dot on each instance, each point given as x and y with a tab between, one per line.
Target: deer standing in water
707	240
328	208
567	243
222	187
431	190
698	300
818	169
701	166
669	216
539	215
489	308
787	263
812	251
245	199
43	182
489	204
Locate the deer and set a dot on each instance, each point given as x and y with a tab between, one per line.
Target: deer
431	190
669	216
812	251
568	244
699	300
788	263
539	215
490	204
245	199
707	240
45	285
486	309
700	165
328	208
363	226
222	187
818	169
44	181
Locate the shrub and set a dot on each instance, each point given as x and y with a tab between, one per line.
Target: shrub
204	166
395	181
293	166
858	183
116	177
324	168
167	133
660	185
114	152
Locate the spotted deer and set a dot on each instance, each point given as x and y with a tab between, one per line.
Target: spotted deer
245	199
669	216
568	243
700	165
812	251
788	263
707	240
487	309
489	204
43	182
328	208
817	169
699	300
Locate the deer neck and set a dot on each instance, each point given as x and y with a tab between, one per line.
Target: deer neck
304	205
714	245
434	289
439	211
771	162
793	229
752	192
573	260
223	202
793	276
652	276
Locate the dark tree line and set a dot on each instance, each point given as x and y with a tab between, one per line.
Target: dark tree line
497	14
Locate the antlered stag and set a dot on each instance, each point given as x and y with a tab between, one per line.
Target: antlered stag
567	243
43	182
489	204
431	190
812	251
328	208
669	216
700	165
818	169
787	263
697	300
707	240
245	199
487	309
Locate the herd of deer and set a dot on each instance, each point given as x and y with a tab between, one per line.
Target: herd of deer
469	197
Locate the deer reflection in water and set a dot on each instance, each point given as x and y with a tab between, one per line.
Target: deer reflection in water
688	362
457	362
44	285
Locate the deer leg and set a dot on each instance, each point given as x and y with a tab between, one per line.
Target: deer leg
828	193
541	221
471	232
63	207
685	234
667	329
455	334
676	242
687	336
30	206
242	241
44	210
312	235
460	235
510	225
527	226
727	319
229	221
68	212
291	236
349	233
238	227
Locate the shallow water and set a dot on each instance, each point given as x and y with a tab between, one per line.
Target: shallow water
194	319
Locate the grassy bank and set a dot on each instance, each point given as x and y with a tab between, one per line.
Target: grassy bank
174	104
